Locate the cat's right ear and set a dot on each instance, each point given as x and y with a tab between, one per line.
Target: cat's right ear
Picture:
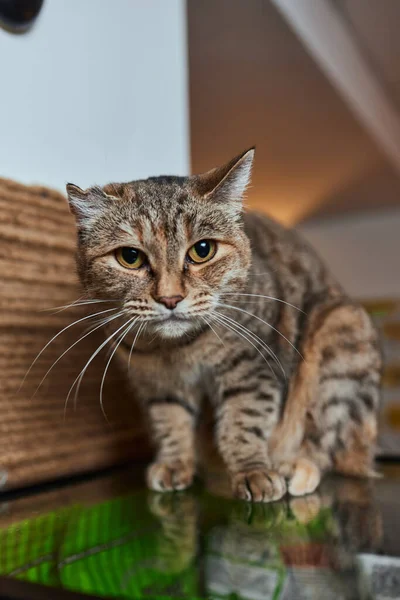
228	183
85	205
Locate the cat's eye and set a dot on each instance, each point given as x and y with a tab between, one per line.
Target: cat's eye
202	251
130	258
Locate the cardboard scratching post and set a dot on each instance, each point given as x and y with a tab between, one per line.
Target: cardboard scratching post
37	272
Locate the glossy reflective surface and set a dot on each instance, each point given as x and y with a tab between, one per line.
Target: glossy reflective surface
111	538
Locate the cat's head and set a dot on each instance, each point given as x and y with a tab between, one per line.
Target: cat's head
166	249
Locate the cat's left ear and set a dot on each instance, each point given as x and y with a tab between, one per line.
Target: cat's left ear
229	182
86	205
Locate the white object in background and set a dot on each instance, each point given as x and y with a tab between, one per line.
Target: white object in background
362	251
96	92
380	576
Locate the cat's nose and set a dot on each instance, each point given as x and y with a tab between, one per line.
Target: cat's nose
170	302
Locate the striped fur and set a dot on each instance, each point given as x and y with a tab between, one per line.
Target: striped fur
290	364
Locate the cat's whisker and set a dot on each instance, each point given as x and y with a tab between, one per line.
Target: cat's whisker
230	327
96	322
141	327
57	335
265	323
58	309
247	302
153	337
112	346
138	302
121	337
78	379
145	323
213	330
201	311
266	297
257	339
103	322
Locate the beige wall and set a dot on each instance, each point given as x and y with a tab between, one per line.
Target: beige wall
252	82
362	251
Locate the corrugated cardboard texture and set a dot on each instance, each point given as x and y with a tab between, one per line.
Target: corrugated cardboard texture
37	271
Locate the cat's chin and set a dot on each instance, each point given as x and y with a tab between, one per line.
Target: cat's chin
172	329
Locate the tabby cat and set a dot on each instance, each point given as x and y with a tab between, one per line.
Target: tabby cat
209	301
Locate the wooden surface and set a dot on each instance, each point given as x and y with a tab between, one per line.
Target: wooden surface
37	272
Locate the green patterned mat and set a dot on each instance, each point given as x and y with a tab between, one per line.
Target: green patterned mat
109	549
149	546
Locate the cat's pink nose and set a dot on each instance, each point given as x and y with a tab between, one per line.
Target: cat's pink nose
170	301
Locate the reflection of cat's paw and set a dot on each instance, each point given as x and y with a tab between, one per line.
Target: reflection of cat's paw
164	477
177	506
306	509
260	515
306	478
258	486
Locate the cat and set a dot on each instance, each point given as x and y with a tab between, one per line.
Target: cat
220	303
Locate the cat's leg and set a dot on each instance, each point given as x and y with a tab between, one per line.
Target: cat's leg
342	397
247	413
172	421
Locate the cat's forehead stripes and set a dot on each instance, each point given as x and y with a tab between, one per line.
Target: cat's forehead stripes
126	227
169	211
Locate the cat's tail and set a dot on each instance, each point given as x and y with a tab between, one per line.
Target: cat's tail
303	388
289	434
338	384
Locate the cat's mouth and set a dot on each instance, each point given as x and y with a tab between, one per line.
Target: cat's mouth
173	318
174	325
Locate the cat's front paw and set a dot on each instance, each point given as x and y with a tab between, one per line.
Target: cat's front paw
167	477
258	485
306	478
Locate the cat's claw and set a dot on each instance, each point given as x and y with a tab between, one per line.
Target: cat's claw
164	477
258	486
